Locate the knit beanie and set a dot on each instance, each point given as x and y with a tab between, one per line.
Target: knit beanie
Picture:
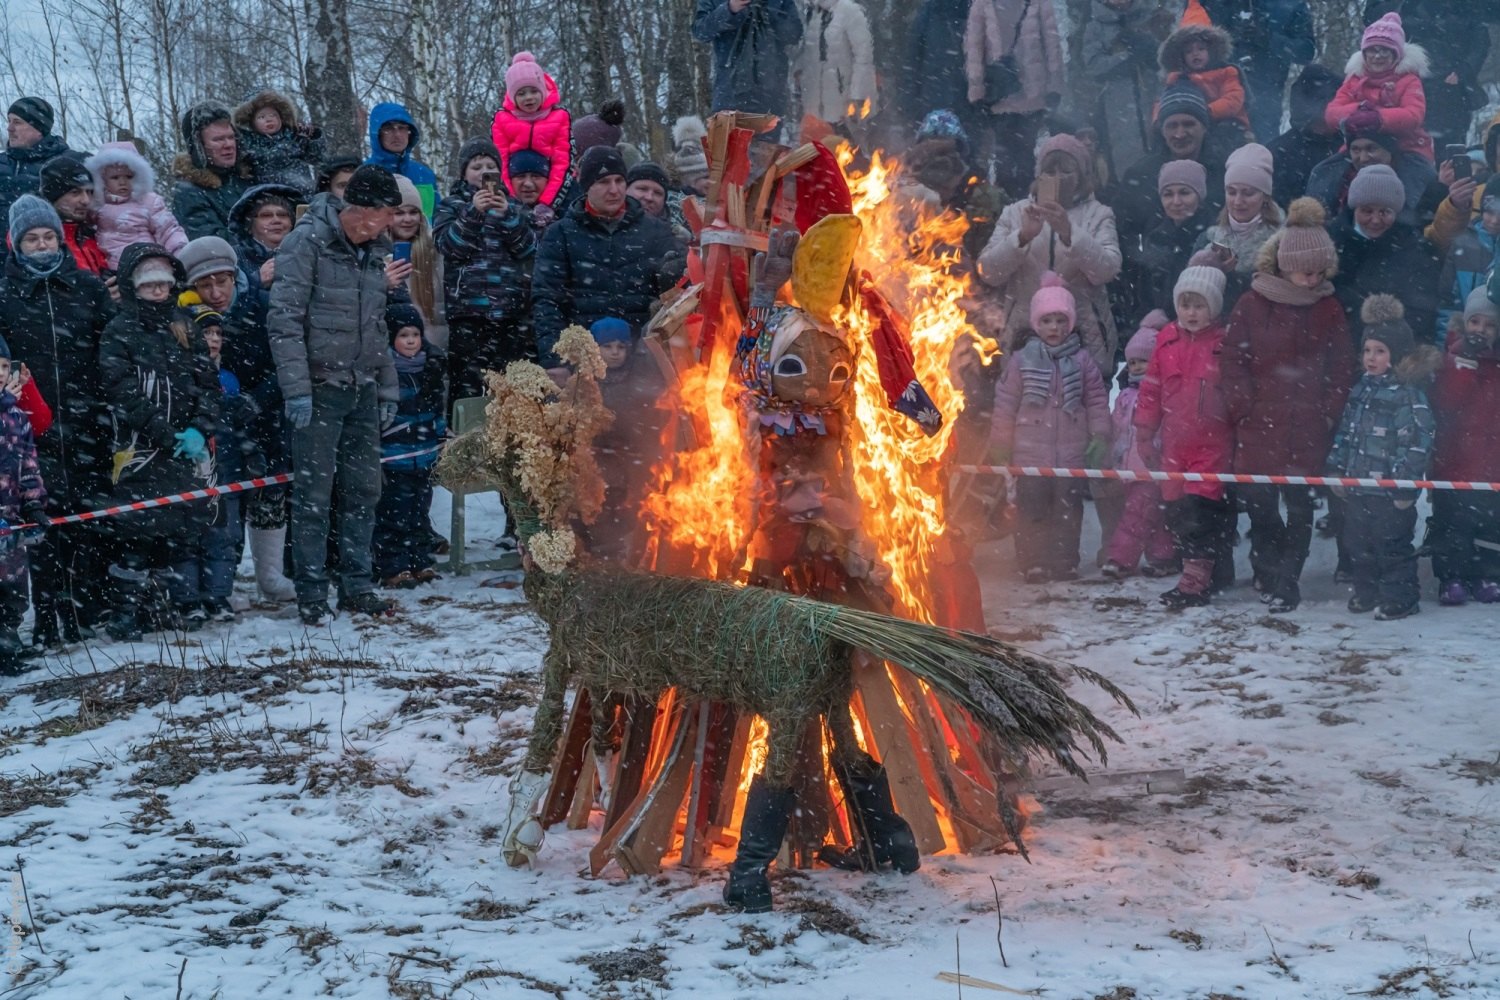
1479	303
205	316
601	128
1183	98
29	212
524	71
1205	281
944	124
153	269
207	255
1375	133
597	163
1310	93
372	187
476	147
610	330
1069	145
688	157
1053	297
334	166
1189	172
1249	165
62	174
529	161
1377	186
1384	318
410	196
34	112
1387	32
648	172
1143	343
399	315
1303	244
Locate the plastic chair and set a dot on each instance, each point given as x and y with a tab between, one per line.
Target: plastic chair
468	414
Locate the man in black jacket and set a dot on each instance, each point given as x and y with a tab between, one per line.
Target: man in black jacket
210	175
29	144
605	257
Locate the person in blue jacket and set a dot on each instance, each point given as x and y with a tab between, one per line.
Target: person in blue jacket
393	145
750	39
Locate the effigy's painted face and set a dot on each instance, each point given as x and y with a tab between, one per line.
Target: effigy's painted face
816	367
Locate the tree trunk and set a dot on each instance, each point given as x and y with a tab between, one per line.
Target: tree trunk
330	74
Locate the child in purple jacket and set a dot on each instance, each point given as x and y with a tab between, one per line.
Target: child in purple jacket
1051	409
1143	526
23	500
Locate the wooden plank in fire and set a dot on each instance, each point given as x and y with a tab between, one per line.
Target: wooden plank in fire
627	801
583	795
886	726
648	831
569	765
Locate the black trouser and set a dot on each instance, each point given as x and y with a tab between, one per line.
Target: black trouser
477	345
402	542
1049	525
1464	519
66	568
1377	537
1279	546
1015	152
1202	528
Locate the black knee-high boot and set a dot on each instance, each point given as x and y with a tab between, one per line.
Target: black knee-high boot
767	812
882	837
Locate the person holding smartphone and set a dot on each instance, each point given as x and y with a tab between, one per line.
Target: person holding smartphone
487	244
414	273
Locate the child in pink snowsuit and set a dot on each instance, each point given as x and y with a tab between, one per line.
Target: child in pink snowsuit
1051	409
129	209
1143	525
531	118
1383	90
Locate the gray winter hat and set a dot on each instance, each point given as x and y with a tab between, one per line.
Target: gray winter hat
207	255
29	212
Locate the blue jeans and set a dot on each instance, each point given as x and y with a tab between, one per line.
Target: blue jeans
209	570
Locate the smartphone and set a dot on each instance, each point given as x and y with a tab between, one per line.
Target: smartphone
401	250
1046	188
1458	155
1224	250
301	211
491	181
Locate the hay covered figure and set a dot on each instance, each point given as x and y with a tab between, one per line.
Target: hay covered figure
786	658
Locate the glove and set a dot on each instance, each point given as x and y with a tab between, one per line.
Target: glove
37	514
298	411
1097	451
543	216
1362	120
387	414
190	445
775	267
1146	448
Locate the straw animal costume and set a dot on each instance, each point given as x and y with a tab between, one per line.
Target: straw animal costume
783	657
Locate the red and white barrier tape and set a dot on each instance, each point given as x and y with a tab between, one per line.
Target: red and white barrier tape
242	486
1125	475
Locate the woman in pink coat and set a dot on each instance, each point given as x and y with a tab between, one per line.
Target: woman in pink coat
128	208
1383	89
531	118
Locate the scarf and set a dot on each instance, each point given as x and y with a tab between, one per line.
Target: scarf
1283	292
44	264
1039	363
1242	227
409	366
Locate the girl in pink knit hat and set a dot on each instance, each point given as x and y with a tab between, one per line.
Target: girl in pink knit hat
1383	89
1051	409
531	118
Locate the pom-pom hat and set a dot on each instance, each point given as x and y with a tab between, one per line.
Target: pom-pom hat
1053	297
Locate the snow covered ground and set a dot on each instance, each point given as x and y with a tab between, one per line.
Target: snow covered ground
267	812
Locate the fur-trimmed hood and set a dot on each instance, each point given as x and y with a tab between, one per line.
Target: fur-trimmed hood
244	114
1220	47
184	169
1414	61
1420	367
121	154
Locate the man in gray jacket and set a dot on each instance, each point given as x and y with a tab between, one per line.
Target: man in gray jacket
328	337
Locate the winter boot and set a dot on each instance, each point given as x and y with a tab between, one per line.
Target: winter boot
767	812
1192	590
1453	594
266	546
128	594
882	837
44	634
11	649
368	603
522	833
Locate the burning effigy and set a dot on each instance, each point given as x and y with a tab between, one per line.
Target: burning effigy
797	662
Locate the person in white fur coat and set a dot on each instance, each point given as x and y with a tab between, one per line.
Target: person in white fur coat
835	67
